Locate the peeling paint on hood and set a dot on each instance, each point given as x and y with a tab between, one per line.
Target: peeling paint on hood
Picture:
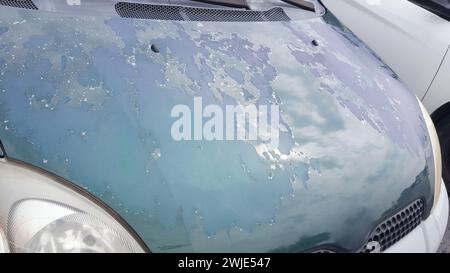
87	99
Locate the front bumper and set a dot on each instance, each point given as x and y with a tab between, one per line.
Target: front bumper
428	235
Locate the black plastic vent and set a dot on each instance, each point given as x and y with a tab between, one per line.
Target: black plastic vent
183	13
240	4
397	226
24	4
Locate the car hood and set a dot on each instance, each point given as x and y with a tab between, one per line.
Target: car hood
89	99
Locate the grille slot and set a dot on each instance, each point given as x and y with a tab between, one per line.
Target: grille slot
24	4
183	13
2	150
397	226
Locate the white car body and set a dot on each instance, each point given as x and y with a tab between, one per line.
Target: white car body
413	41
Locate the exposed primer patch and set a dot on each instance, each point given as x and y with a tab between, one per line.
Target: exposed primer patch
40	40
374	101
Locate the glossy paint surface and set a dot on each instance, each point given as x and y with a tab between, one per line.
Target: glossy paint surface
87	99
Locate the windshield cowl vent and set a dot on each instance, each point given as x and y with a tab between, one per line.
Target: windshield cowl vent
239	4
24	4
184	13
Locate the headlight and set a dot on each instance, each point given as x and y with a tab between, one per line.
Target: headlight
41	213
436	152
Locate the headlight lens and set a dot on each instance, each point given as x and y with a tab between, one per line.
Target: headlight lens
436	153
39	213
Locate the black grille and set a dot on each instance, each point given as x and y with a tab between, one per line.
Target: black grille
397	226
24	4
182	13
